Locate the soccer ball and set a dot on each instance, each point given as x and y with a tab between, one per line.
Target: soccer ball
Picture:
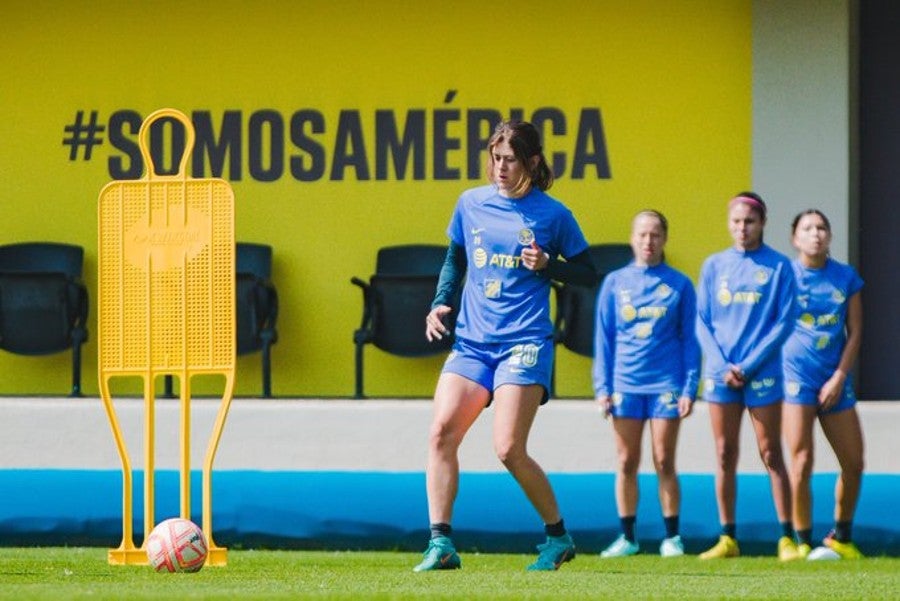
820	553
176	545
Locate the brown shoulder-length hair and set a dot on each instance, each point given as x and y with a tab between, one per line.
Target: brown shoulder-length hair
525	141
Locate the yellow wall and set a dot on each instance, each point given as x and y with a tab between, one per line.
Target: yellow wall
671	80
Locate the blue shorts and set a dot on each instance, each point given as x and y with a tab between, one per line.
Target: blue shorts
492	364
765	388
645	406
802	394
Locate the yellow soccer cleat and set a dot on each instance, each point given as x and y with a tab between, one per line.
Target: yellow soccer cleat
803	550
787	549
846	550
726	547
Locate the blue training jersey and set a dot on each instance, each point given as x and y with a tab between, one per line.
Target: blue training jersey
746	308
814	349
645	338
502	301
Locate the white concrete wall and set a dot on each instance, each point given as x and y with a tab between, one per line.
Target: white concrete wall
378	436
802	76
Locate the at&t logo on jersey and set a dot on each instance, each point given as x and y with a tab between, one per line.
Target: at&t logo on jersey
739	297
479	257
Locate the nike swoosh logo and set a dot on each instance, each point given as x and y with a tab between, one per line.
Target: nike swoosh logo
446	558
563	558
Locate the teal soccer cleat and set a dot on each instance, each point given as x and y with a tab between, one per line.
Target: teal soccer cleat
440	555
555	552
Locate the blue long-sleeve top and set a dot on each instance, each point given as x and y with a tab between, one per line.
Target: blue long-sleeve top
746	308
645	335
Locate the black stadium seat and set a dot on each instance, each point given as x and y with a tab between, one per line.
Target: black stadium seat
43	302
396	300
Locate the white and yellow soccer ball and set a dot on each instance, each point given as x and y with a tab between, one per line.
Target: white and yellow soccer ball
176	545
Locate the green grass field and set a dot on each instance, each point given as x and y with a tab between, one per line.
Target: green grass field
82	573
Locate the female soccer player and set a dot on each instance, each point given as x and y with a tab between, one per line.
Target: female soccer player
817	360
506	239
646	363
745	312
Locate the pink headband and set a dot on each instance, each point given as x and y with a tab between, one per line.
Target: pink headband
750	201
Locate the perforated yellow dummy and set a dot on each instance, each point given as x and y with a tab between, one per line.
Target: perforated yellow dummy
166	307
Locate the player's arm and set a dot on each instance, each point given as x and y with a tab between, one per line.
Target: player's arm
604	347
854	334
833	388
690	349
604	341
784	304
578	269
449	283
708	344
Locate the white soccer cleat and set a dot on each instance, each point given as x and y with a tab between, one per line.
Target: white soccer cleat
621	547
671	547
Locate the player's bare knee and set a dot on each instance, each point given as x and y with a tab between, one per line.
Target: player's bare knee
772	458
442	437
510	454
665	465
629	464
727	453
802	464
